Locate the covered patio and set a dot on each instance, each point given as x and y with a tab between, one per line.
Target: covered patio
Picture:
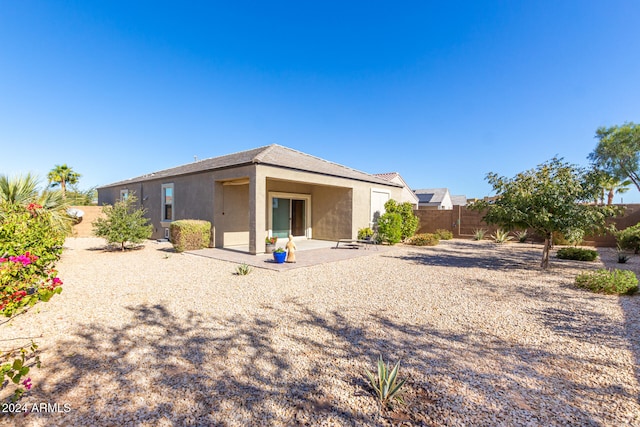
309	252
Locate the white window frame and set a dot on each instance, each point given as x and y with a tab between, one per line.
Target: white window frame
173	202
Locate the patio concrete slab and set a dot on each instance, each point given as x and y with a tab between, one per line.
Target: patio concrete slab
304	258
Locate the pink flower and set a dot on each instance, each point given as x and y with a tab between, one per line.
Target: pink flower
56	281
3	260
27	383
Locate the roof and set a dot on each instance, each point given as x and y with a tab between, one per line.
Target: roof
391	176
431	195
459	200
272	155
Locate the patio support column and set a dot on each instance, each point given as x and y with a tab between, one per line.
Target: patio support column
257	211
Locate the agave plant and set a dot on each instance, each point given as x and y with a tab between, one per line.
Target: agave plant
478	233
243	270
501	236
522	236
386	384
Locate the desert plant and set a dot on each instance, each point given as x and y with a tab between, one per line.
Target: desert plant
365	233
243	270
444	234
123	223
478	233
190	234
629	238
501	236
621	282
623	258
521	236
279	250
577	254
424	239
386	385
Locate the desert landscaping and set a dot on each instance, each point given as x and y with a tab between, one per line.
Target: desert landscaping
151	337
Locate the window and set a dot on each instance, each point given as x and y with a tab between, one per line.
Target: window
124	194
167	202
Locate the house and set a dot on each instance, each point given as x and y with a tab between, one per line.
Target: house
459	200
266	191
407	194
434	198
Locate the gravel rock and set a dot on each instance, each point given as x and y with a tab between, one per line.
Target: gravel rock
485	338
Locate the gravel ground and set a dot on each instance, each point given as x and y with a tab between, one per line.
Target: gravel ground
486	338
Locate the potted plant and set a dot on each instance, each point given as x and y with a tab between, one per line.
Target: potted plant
270	244
279	255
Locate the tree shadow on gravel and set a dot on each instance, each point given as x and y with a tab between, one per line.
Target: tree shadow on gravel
288	364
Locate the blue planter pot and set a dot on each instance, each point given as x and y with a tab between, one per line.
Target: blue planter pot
279	257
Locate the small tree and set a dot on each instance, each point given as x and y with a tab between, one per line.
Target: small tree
123	223
554	197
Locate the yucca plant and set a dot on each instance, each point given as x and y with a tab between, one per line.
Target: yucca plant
243	270
501	236
386	384
478	234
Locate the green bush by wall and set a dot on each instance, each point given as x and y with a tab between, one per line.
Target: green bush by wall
190	234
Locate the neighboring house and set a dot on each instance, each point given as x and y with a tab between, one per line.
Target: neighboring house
267	191
459	200
434	198
407	194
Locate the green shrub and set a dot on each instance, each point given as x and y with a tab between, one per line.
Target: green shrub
572	237
424	239
478	233
577	254
629	238
409	222
609	281
390	227
30	229
123	223
444	234
365	233
190	234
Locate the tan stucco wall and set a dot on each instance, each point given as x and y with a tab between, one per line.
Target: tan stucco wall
238	213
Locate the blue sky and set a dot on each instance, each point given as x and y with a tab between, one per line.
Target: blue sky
442	92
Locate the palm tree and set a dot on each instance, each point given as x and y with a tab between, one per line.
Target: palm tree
63	175
23	191
613	185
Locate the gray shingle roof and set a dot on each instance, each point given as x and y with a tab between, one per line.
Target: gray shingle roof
459	200
431	195
273	155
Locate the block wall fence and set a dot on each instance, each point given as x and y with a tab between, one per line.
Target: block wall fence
462	222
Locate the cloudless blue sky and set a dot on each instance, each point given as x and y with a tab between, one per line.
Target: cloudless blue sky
441	91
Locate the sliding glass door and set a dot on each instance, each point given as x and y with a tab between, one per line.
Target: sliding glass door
288	216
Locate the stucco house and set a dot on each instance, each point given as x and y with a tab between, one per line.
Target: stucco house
434	198
407	193
267	191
